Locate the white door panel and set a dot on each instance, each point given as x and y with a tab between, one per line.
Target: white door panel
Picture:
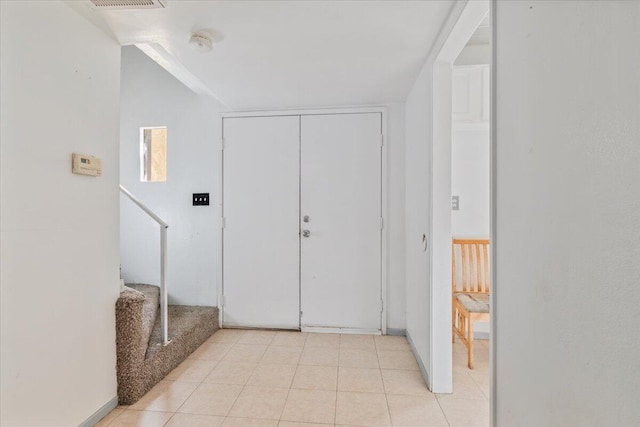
341	193
261	210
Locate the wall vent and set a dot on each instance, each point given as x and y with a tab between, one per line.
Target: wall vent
128	4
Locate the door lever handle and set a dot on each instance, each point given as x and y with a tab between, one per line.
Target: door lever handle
306	233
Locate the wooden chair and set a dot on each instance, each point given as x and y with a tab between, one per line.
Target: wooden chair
470	280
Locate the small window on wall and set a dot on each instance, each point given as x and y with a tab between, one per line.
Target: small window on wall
153	154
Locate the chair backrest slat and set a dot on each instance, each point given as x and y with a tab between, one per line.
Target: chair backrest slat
473	268
486	267
476	247
463	250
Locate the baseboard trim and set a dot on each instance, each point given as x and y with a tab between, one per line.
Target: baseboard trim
100	413
423	370
323	330
397	332
229	325
477	335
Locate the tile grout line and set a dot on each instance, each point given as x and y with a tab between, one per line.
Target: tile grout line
335	411
258	363
203	379
386	396
475	383
244	386
286	399
130	409
335	415
443	413
117	416
173	381
376	347
473	380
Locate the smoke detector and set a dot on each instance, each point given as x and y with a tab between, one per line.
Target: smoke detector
128	4
201	41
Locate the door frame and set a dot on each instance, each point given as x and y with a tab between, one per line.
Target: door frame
384	255
463	24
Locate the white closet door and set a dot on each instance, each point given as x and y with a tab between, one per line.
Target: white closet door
341	195
261	209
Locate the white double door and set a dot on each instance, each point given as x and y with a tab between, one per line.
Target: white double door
302	241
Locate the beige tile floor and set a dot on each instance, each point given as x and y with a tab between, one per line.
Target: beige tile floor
289	379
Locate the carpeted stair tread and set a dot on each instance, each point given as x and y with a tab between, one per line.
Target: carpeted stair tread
183	319
142	361
150	307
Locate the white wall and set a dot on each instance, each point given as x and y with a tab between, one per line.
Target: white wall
568	227
417	209
396	298
60	245
474	54
428	198
153	97
470	148
470	180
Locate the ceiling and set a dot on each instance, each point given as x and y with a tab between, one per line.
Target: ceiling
285	54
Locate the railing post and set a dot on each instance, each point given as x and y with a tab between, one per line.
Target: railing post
164	310
164	314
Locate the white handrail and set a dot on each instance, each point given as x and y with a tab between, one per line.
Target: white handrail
143	206
164	308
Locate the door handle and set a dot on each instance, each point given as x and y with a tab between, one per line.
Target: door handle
306	233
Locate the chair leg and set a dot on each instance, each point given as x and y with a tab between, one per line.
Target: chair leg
470	341
453	324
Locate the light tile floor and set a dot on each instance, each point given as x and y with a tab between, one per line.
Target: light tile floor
252	378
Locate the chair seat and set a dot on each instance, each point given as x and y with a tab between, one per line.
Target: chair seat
474	303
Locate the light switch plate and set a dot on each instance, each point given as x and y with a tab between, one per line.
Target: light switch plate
455	203
83	164
200	199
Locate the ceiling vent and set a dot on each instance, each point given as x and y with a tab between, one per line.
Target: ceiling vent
128	4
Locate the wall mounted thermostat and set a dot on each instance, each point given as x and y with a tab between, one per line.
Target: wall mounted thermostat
83	164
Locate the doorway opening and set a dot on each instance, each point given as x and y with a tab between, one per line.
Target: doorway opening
470	214
470	208
462	243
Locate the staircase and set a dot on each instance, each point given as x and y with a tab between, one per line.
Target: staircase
142	360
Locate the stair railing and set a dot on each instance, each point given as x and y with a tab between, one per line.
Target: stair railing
164	311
